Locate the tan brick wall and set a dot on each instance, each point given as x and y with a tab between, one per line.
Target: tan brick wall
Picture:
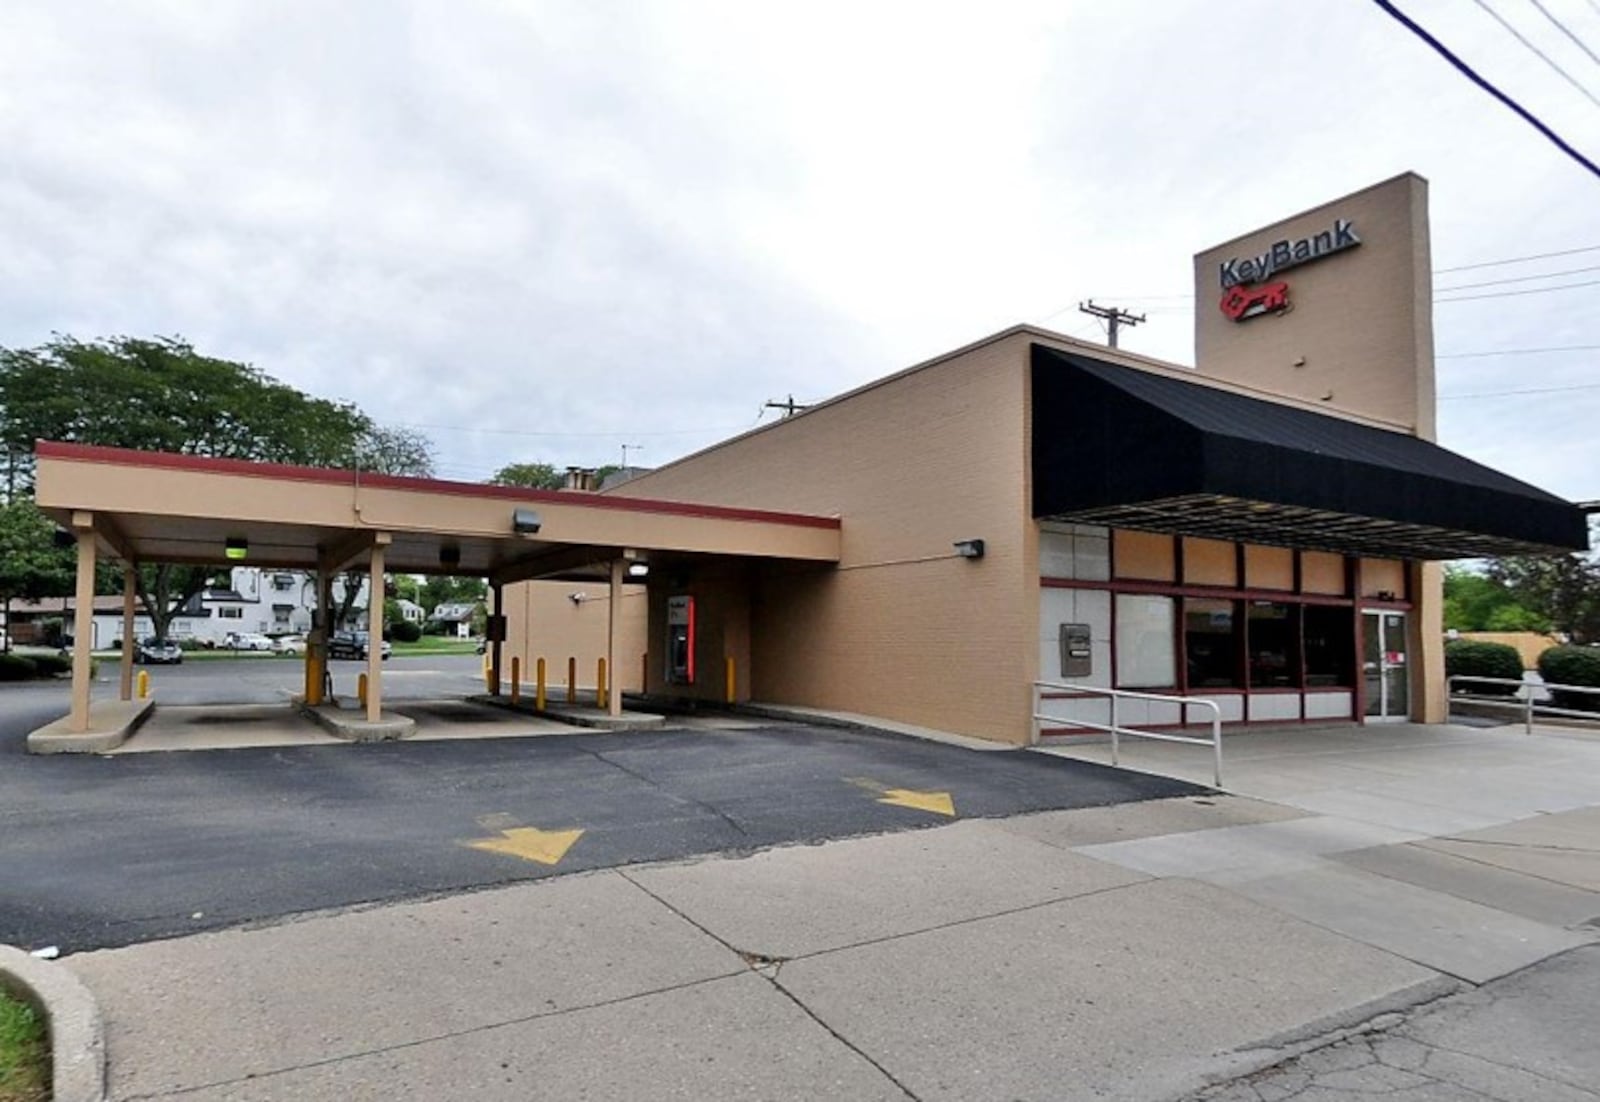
901	628
1359	338
542	621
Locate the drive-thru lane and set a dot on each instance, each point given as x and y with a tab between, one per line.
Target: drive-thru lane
103	851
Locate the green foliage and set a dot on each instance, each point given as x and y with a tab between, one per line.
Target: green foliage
14	667
31	565
24	1053
440	589
1477	602
1473	659
1572	666
48	665
404	631
535	476
1564	589
162	395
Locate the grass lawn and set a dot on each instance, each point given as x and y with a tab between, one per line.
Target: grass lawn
24	1054
435	644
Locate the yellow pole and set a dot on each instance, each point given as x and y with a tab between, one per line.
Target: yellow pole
488	678
144	684
730	680
361	689
516	679
572	680
600	693
315	665
538	693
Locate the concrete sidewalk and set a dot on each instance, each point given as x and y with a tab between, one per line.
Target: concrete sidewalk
1138	951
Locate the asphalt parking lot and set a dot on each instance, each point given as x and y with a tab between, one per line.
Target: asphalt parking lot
107	851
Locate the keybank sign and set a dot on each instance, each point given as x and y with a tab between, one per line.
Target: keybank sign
1289	253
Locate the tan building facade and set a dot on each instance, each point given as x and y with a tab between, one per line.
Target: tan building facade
1026	519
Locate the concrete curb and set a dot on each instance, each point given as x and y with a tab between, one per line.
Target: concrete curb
575	715
354	728
122	718
72	1017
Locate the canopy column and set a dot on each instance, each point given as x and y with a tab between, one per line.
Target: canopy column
375	635
613	628
83	621
130	592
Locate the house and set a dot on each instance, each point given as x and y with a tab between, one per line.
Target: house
456	617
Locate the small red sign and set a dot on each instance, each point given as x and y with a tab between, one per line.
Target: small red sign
1241	302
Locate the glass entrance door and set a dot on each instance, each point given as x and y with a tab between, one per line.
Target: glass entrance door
1383	661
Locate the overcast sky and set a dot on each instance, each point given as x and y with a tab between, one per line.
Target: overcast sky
538	231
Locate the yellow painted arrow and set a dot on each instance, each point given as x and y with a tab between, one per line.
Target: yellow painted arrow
547	847
940	803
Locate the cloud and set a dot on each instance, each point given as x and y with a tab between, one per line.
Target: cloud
612	223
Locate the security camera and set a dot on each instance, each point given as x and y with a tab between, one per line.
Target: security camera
525	520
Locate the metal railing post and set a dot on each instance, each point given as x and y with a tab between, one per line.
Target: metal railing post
1216	746
1528	717
1114	746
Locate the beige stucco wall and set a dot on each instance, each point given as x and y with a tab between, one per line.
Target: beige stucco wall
1361	326
542	621
902	628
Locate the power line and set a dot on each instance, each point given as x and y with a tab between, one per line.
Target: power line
571	435
1113	316
1540	54
1518	351
1514	393
1527	291
1472	75
1516	279
1516	259
1562	27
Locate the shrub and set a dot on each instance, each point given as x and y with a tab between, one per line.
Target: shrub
48	665
404	631
14	667
1572	666
1472	659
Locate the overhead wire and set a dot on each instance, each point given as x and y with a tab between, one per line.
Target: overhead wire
1562	27
1472	74
1540	54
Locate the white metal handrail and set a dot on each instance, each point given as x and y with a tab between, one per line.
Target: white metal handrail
1524	702
1116	730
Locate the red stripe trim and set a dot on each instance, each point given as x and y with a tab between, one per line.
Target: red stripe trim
130	457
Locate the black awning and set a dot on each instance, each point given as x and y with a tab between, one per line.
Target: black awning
1118	446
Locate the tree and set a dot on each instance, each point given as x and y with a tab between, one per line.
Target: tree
162	395
535	476
1477	602
31	565
443	589
1564	589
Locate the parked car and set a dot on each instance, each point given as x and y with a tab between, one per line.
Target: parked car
245	640
289	644
352	644
158	652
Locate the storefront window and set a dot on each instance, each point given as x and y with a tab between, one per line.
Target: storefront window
1330	644
1210	643
1145	652
1274	645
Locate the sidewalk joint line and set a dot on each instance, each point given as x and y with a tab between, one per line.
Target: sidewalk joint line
417	1042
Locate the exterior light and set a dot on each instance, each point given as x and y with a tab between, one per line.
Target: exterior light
236	548
969	549
525	521
638	569
449	555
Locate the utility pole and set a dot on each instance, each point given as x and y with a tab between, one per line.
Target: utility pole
789	407
1112	316
626	448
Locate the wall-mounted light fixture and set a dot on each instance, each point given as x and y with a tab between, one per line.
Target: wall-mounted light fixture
577	598
1385	594
236	548
449	554
525	521
969	549
638	569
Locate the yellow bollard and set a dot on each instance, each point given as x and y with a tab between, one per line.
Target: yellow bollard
516	679
144	684
538	692
600	694
730	680
361	690
488	680
572	680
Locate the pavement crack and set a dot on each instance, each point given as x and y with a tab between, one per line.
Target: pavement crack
418	1042
841	1038
733	823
